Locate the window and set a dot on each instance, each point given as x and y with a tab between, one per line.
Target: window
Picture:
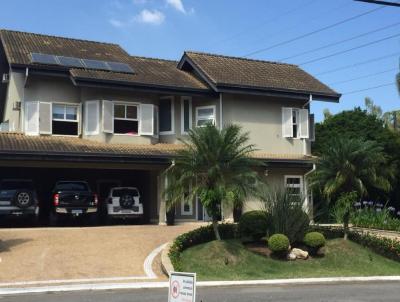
65	119
294	185
126	119
295	123
166	114
186	114
205	115
187	204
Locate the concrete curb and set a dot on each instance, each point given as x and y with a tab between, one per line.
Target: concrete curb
149	285
166	264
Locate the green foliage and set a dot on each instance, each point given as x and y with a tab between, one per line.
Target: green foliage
370	218
216	164
278	243
351	165
198	236
359	124
314	239
286	213
253	224
389	248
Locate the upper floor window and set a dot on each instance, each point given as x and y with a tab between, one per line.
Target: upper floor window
126	119
166	115
65	119
295	123
205	115
186	115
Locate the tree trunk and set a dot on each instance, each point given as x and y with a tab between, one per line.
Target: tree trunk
346	219
215	228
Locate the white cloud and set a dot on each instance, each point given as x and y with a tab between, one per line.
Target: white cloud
178	5
116	23
150	16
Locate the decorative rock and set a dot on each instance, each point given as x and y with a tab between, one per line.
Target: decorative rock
297	254
291	257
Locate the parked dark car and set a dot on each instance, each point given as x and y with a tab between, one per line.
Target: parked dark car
18	198
73	198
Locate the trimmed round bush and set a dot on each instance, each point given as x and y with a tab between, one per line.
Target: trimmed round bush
278	243
314	240
253	224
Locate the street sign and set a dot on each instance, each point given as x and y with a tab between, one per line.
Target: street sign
182	287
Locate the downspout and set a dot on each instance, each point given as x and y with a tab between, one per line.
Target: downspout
220	111
309	200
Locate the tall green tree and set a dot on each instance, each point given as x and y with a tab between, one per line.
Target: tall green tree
352	165
217	166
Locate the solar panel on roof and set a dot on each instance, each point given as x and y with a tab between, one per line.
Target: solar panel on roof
95	64
70	62
120	67
43	59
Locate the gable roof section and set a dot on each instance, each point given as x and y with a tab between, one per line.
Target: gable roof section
161	73
241	73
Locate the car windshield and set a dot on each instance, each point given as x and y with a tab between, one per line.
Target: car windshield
72	186
121	192
16	185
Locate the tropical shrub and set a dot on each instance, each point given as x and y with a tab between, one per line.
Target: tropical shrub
253	225
377	218
217	165
286	213
278	244
314	240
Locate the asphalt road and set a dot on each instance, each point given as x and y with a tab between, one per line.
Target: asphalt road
377	291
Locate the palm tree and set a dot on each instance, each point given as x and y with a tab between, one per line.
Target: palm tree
216	164
351	167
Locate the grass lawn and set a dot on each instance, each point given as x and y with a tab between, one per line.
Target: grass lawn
230	260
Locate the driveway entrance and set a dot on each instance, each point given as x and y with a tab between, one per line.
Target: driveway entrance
43	254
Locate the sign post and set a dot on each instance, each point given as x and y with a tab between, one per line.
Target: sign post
182	287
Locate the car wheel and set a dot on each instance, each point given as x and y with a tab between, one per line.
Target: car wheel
23	199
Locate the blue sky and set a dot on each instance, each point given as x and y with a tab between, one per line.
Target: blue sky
165	28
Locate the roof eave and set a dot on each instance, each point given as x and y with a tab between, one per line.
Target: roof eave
320	96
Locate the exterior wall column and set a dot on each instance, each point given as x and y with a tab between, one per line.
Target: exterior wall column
162	207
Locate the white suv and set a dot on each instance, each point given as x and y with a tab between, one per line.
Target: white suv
124	202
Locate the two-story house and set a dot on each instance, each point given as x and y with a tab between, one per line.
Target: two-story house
76	109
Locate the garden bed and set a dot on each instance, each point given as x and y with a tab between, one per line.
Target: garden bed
231	260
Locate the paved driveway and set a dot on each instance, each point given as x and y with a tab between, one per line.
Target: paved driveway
80	253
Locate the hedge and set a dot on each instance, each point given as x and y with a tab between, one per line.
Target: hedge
198	236
386	247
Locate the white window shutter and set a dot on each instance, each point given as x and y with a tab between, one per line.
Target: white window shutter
146	126
32	118
80	119
92	117
287	122
303	122
108	117
312	127
45	118
156	118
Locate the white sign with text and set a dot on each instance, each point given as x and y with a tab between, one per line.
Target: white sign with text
182	287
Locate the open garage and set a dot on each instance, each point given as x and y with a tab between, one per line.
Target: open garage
46	160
